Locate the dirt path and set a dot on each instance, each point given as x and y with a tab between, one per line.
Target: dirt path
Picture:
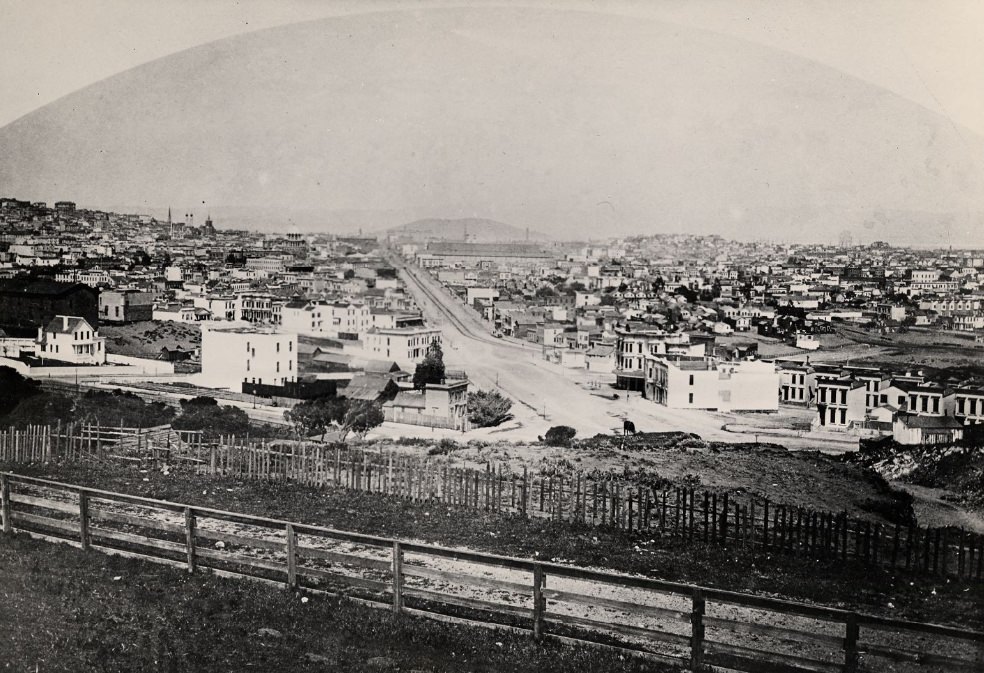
932	509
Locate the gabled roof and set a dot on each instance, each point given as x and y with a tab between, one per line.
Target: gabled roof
930	422
59	325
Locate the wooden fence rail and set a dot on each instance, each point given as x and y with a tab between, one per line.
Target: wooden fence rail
679	513
684	513
691	626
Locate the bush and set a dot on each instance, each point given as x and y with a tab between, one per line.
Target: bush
212	420
559	435
444	447
488	408
14	388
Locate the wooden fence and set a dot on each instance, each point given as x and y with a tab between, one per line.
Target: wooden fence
83	441
691	626
682	513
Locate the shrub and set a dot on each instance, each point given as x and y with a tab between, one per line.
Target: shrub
559	435
488	408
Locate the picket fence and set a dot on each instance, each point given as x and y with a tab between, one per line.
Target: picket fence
680	513
683	513
691	626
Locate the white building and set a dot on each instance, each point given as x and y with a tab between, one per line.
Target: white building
405	345
237	354
706	383
321	318
71	339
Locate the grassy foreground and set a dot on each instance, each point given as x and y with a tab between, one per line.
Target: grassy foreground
850	585
62	610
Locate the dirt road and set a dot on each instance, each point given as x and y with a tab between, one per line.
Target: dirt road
547	394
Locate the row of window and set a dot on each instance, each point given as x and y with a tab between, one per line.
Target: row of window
252	351
970	406
290	365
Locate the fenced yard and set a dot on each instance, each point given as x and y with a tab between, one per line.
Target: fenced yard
692	626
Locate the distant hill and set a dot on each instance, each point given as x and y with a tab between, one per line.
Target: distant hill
477	229
583	124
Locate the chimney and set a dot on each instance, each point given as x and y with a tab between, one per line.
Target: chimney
64	322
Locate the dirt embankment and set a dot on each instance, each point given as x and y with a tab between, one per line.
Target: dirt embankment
795	478
946	482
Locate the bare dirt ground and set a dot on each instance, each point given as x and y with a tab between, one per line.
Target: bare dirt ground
920	348
146	339
933	507
806	479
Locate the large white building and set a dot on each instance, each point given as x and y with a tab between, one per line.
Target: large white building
237	354
71	339
682	382
404	345
322	318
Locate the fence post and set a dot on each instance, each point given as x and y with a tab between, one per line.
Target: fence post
8	525
397	577
190	537
697	630
539	602
851	644
291	557
84	519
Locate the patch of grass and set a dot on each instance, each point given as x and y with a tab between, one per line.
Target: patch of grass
849	585
68	611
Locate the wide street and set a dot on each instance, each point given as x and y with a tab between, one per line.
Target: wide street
546	394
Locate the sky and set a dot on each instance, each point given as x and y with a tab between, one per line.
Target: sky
867	113
930	51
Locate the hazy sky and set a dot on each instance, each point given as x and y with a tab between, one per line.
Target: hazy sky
930	51
788	119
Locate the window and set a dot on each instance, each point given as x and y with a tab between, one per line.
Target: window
290	346
691	379
247	365
690	398
278	366
278	346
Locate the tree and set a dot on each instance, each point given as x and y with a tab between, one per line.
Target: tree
43	409
121	408
545	291
431	369
608	300
315	416
559	435
574	288
361	417
487	408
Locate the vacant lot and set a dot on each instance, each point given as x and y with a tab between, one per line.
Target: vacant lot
920	348
68	611
146	339
801	478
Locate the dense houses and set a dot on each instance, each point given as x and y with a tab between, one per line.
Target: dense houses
684	321
284	315
680	320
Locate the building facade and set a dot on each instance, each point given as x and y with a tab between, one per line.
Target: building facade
235	354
